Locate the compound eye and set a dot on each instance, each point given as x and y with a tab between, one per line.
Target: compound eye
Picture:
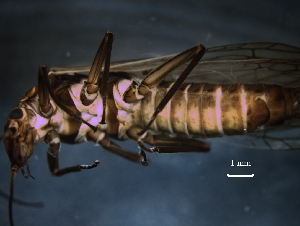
13	130
16	113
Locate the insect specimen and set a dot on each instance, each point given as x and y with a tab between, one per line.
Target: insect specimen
233	90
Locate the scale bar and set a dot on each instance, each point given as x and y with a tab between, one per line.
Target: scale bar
228	175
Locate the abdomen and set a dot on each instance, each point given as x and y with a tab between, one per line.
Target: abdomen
211	110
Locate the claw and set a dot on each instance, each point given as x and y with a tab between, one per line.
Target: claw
95	164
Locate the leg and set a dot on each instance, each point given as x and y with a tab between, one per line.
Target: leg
169	145
100	138
46	108
157	75
196	56
89	91
44	89
52	139
152	80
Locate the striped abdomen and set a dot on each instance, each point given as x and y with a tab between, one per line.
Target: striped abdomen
211	110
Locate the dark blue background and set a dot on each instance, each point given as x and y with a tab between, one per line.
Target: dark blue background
179	189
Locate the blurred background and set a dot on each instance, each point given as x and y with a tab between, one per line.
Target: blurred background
178	189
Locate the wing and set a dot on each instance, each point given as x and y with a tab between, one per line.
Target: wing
261	62
240	63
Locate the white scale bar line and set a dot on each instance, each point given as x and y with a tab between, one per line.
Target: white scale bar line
228	175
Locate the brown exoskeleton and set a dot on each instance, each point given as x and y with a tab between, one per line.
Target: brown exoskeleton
132	101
